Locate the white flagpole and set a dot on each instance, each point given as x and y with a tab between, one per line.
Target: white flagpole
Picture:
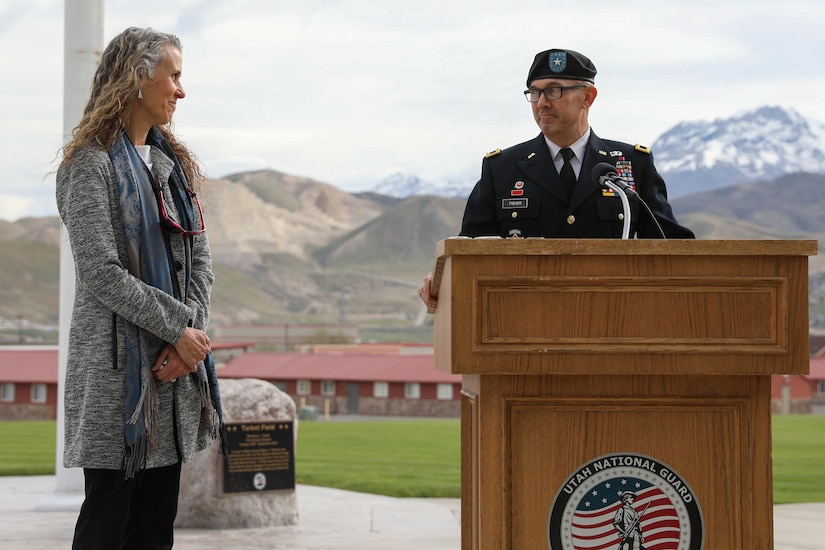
82	47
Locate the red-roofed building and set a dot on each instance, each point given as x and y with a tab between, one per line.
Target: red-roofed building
397	383
349	383
28	379
804	394
28	383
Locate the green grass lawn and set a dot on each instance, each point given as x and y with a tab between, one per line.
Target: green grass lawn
27	448
421	458
798	455
405	458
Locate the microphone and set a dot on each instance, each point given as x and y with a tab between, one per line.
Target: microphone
607	172
606	175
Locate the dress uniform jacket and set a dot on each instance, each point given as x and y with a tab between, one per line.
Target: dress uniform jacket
520	195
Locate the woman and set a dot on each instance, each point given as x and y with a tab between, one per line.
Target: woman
141	394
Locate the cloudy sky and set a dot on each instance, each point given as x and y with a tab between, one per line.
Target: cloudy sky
350	91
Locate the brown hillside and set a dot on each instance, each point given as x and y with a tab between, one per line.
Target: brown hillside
46	230
257	213
404	235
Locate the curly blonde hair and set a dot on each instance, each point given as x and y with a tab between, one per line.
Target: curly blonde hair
130	56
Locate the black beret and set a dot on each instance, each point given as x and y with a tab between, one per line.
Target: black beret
562	64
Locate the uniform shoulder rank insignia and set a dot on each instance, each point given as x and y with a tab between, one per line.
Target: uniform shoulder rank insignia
492	153
642	149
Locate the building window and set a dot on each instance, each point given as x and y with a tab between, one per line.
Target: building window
820	387
327	387
38	393
412	390
7	393
380	389
304	387
444	391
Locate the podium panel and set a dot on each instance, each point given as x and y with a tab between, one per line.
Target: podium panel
607	380
535	431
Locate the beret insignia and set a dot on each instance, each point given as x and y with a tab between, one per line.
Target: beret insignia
557	61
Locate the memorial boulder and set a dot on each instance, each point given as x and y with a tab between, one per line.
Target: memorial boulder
258	416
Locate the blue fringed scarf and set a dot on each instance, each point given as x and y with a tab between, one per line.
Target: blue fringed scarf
149	260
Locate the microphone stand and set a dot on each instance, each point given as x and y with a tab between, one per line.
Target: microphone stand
607	177
625	205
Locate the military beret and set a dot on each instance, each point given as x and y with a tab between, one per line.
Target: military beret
562	64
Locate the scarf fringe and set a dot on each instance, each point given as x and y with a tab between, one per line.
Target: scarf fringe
209	412
138	406
148	406
152	414
135	457
224	450
212	416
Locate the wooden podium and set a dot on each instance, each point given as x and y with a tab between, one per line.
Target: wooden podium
590	363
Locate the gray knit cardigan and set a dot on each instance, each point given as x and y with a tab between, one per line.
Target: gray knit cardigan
106	294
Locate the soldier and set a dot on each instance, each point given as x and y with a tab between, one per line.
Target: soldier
627	522
543	187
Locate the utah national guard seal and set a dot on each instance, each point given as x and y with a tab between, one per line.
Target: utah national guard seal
625	501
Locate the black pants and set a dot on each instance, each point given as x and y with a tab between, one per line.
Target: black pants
133	514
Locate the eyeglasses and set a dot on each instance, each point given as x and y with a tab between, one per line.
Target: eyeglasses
550	94
172	227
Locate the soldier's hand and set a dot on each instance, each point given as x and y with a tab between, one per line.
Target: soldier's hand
425	295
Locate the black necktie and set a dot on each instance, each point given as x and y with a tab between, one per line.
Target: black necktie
568	176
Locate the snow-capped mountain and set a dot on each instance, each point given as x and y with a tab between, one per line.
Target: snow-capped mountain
757	145
403	186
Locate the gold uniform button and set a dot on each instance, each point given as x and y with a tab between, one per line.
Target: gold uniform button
621	216
515	214
571	219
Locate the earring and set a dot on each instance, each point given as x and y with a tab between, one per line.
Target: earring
140	93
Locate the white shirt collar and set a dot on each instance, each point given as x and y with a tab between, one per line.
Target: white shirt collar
577	146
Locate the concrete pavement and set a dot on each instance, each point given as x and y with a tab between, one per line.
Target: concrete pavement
330	519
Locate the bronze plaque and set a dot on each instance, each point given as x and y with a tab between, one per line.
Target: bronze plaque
260	457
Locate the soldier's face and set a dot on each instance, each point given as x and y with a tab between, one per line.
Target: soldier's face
562	120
